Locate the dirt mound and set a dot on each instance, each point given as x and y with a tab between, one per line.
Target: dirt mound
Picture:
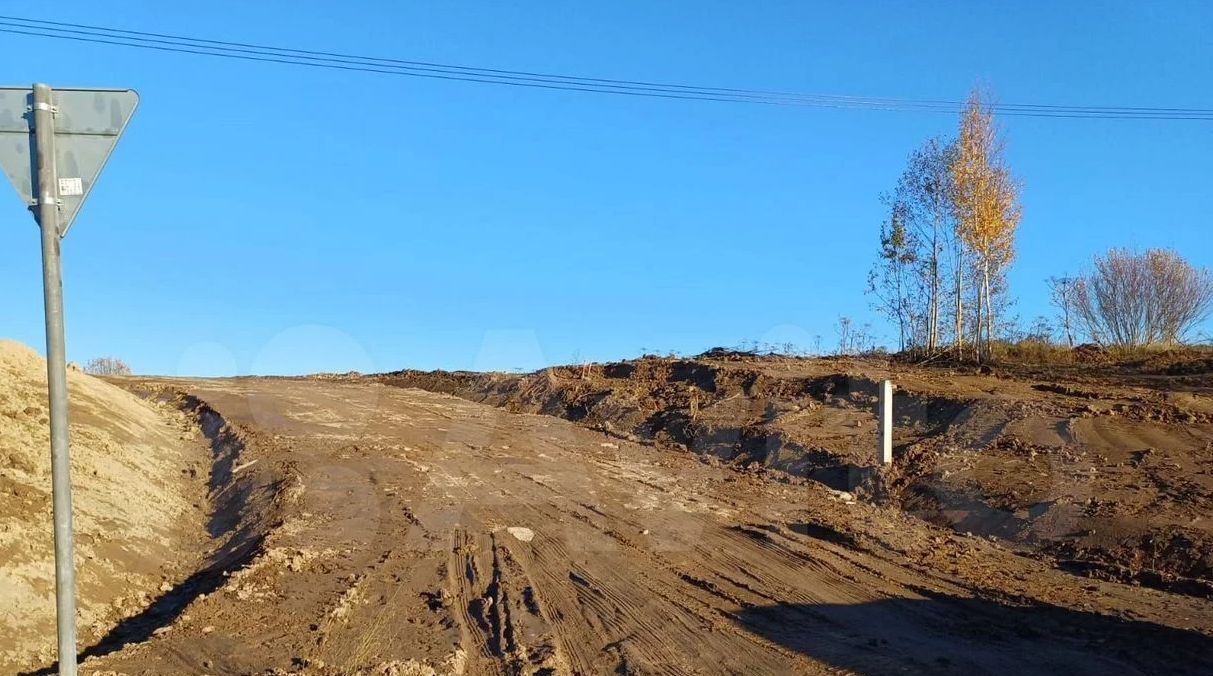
1178	362
139	473
1090	353
1088	466
726	354
817	425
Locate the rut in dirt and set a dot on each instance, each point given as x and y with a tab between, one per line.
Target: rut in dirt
240	517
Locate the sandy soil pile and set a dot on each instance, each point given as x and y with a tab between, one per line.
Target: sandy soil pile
139	473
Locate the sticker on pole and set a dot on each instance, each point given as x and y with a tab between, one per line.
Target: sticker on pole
88	123
69	187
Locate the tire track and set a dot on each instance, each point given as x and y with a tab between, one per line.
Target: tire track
467	595
663	580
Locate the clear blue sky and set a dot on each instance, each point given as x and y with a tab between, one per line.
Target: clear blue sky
278	219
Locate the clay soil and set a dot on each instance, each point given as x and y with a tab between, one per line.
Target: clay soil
713	515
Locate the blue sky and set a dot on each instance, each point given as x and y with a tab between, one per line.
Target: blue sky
263	218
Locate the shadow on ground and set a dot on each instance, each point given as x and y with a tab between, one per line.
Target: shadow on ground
238	524
949	635
164	610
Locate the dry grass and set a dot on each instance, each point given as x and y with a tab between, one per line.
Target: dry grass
1158	358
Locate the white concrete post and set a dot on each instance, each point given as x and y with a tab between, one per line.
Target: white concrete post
886	422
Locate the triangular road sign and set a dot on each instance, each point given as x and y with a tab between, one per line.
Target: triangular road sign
88	123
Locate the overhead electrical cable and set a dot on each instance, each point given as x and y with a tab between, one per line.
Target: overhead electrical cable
423	69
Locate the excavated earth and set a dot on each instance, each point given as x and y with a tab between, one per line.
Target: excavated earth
1104	471
715	515
140	471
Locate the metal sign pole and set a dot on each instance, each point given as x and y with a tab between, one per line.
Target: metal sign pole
47	192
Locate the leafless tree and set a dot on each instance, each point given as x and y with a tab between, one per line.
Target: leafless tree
890	281
107	366
844	335
1041	331
1133	300
1062	297
854	338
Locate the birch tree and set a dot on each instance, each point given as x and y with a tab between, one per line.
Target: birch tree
925	188
986	207
889	281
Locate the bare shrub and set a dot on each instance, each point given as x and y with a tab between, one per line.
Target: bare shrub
854	339
1133	300
1061	296
107	366
1035	344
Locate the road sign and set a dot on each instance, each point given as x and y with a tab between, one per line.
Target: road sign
87	124
53	145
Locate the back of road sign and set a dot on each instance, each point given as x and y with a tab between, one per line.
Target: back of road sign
88	123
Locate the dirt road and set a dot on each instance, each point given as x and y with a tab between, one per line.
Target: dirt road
362	528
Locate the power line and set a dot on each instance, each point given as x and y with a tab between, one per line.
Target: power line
351	58
386	66
278	55
301	63
484	72
250	52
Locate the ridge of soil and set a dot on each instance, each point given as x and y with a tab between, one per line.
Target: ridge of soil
138	471
245	505
1106	470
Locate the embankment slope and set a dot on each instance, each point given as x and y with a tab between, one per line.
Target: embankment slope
139	472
